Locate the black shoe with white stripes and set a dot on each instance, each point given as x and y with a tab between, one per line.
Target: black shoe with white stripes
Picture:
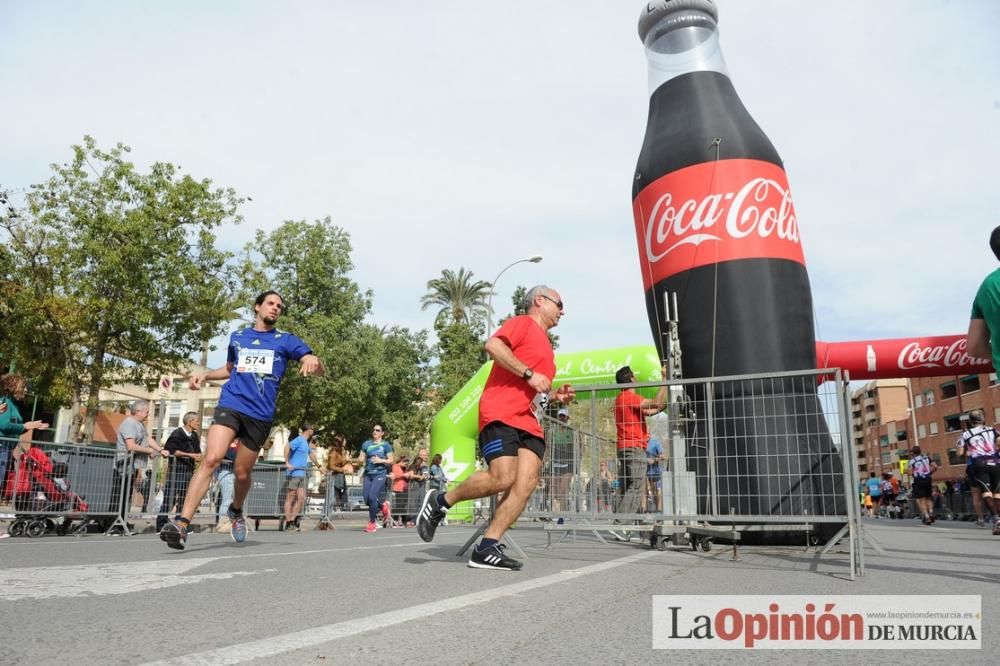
493	558
431	514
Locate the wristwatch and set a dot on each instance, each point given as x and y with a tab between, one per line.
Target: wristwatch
527	374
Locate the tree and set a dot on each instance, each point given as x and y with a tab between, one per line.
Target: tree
460	298
373	374
115	264
460	354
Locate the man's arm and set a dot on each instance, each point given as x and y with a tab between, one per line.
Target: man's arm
310	364
288	455
504	357
977	340
656	405
195	381
151	450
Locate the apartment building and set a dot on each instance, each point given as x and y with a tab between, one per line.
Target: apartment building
890	416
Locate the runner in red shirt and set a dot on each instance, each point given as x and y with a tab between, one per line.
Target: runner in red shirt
510	431
631	410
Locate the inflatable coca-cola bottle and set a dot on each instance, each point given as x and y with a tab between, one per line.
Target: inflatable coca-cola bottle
715	224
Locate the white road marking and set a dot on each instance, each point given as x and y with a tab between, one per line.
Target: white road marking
125	577
102	579
275	645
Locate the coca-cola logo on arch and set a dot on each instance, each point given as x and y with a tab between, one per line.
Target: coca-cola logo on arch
917	355
712	212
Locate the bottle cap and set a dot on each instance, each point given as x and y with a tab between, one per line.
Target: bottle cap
655	10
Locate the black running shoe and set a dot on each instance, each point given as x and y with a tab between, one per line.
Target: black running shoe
431	514
175	535
493	558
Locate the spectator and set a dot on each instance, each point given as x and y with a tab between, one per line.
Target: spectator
654	472
298	453
226	482
14	388
562	442
399	480
602	493
631	411
338	464
376	456
184	447
132	446
416	477
438	481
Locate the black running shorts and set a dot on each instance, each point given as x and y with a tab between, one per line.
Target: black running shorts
922	487
986	475
251	432
499	439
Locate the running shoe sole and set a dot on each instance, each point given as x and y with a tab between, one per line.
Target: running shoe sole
477	565
173	536
516	566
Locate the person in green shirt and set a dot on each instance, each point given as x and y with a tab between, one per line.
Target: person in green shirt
13	387
983	339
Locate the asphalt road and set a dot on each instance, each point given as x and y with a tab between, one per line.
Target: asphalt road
346	597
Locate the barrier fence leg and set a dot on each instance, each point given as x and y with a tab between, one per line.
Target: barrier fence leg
482	528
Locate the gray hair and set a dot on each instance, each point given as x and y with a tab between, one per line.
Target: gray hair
137	405
977	416
533	293
189	417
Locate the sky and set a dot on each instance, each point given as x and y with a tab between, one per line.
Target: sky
464	134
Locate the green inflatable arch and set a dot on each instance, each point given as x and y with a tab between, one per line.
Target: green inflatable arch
455	428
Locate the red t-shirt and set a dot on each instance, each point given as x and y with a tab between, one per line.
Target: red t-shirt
630	422
398	481
507	397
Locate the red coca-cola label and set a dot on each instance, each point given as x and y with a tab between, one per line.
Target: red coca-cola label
713	212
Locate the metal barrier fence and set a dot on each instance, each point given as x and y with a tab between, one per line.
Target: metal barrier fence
73	489
756	459
59	488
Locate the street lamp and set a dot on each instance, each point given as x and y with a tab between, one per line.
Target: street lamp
535	258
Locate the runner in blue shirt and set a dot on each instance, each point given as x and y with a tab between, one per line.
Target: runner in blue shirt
376	455
874	490
255	365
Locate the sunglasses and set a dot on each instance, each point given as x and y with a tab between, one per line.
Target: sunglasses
559	304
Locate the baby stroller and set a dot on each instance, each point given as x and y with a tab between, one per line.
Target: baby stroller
41	494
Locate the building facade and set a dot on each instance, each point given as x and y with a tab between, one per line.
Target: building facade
891	416
165	413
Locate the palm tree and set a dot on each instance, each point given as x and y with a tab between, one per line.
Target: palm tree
459	297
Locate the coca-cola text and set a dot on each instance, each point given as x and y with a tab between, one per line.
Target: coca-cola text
743	207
